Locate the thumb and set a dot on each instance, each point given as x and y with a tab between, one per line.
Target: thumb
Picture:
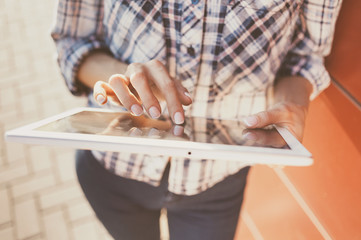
263	119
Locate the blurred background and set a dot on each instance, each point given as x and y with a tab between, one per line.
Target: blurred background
39	194
41	199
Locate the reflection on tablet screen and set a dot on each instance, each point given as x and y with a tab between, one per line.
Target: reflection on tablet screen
195	129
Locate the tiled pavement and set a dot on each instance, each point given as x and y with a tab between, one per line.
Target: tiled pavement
40	197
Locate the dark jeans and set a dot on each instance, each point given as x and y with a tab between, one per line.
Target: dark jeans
130	209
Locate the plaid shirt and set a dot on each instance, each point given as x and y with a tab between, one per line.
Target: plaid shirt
226	52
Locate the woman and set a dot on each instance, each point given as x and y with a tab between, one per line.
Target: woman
218	58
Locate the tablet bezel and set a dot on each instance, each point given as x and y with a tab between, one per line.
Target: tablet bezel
297	155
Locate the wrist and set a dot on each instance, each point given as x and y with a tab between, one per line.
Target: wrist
293	89
99	65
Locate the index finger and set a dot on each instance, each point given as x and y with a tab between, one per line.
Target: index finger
161	78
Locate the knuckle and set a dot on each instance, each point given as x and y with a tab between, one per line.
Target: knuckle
156	63
168	88
98	88
169	85
133	66
138	77
287	107
115	79
286	111
264	116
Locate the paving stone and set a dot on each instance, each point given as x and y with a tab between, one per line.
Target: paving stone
30	104
60	195
23	61
55	226
103	233
79	211
106	236
13	171
85	231
30	87
15	151
26	219
10	78
5	215
23	120
7	234
5	55
33	184
15	30
7	119
73	103
8	99
2	158
65	164
40	158
50	107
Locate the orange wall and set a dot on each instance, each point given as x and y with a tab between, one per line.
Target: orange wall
332	186
344	63
322	201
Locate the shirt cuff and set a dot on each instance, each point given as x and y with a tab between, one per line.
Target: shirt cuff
310	67
71	52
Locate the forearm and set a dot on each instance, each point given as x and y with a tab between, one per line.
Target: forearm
293	89
99	65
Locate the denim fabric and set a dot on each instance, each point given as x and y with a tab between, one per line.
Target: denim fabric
130	209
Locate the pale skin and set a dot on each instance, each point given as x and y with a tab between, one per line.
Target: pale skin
143	84
134	85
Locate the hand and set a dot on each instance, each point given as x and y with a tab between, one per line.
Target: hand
285	114
139	86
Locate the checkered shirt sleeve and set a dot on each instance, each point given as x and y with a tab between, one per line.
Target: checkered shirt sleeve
77	32
312	41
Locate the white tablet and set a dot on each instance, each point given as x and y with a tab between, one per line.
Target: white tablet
197	138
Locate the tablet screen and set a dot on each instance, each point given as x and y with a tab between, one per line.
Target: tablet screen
194	129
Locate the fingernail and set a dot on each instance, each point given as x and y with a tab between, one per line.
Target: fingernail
100	98
134	132
250	136
136	109
178	118
188	95
153	132
250	121
178	130
154	112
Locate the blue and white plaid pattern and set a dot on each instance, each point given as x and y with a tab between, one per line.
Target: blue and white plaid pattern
227	53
